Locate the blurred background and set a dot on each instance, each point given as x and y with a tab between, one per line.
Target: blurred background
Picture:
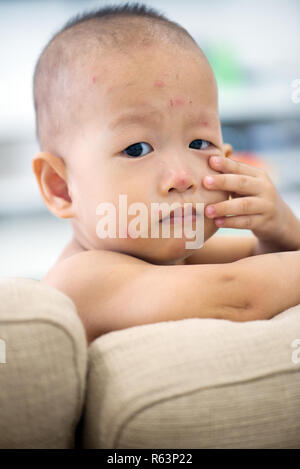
254	48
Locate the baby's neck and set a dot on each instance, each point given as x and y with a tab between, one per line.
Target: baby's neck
73	247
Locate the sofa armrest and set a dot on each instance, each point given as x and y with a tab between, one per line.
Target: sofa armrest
42	381
195	383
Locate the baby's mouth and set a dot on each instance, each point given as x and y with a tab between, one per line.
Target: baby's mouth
178	215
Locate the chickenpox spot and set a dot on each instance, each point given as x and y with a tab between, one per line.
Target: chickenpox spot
182	180
95	73
204	123
159	84
179	102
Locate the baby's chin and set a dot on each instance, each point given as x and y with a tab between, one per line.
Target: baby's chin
174	251
164	251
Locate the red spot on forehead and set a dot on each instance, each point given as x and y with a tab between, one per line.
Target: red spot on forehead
177	101
95	73
159	83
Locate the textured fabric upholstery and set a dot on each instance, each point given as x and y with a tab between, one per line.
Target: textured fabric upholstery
42	382
195	383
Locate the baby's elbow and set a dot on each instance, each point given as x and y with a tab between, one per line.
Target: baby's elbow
244	294
253	294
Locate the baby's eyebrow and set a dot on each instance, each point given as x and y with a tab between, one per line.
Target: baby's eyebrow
150	117
132	118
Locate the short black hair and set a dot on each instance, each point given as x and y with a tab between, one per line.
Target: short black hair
102	28
112	11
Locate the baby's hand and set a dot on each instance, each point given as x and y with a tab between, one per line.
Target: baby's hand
256	205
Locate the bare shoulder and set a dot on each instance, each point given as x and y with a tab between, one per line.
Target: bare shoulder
84	265
99	283
113	290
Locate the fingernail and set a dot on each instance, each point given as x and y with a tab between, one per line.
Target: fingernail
210	210
215	159
209	180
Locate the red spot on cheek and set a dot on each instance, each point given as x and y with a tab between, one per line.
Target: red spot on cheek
159	84
94	79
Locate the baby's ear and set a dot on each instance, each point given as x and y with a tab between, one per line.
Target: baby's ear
50	173
227	150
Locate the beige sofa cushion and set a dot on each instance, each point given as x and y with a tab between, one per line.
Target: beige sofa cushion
42	383
195	383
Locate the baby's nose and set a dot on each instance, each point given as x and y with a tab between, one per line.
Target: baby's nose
181	182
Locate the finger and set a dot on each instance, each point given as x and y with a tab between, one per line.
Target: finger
227	165
239	206
246	222
239	183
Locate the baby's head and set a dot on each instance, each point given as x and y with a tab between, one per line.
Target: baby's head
126	103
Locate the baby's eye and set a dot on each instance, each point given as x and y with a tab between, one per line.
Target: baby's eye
200	144
136	149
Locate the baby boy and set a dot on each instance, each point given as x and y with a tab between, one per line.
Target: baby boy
127	104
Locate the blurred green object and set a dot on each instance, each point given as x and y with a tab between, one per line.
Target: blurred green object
224	60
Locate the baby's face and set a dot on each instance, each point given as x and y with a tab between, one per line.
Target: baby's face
159	154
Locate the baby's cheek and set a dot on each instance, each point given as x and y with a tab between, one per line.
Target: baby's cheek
210	228
215	197
222	195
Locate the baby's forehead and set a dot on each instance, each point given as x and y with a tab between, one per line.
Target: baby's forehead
107	85
64	78
114	71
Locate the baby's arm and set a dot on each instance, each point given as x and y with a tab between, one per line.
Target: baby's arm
277	281
115	291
